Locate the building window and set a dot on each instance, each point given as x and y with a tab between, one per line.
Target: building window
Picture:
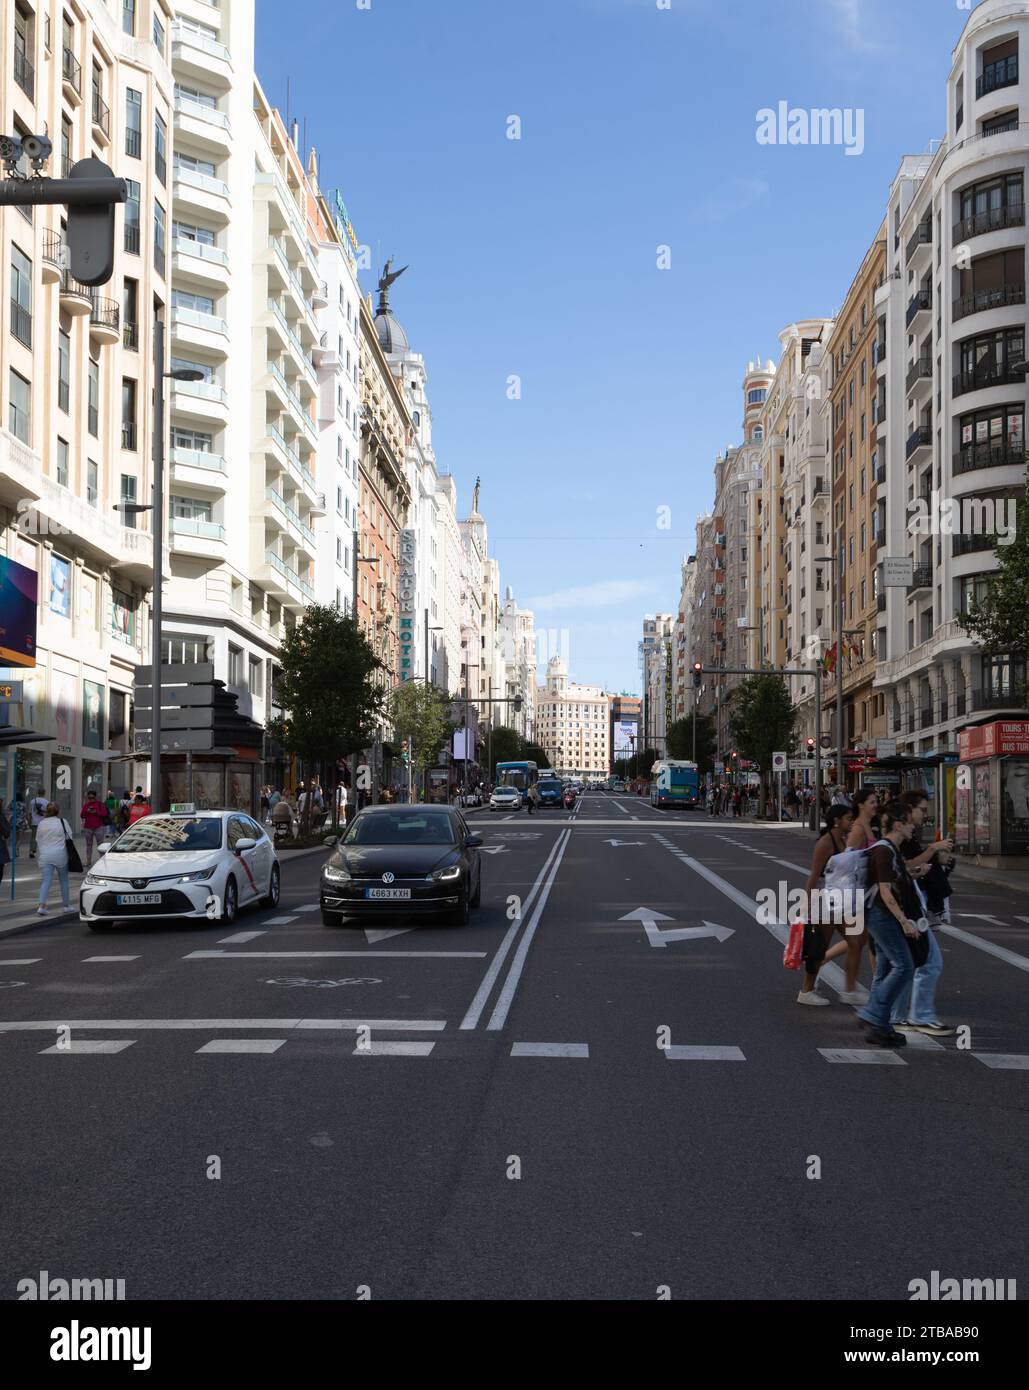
130	312
159	237
128	413
158	34
132	217
257	676
195	440
128	17
128	498
161	148
21	296
189	649
92	483
190	509
62	462
19	417
93	403
134	124
235	666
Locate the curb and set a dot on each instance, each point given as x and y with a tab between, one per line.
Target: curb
62	918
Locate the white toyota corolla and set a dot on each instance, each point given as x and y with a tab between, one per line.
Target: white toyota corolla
182	863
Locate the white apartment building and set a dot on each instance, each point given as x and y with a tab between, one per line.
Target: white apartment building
516	664
953	386
76	384
446	651
682	641
654	656
474	613
572	724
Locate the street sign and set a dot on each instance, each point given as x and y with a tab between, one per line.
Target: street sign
719	768
176	718
779	761
801	764
898	571
12	690
886	748
183	695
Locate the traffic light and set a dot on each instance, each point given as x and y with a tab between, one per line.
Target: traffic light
734	756
810	745
406	750
91	229
698	669
517	703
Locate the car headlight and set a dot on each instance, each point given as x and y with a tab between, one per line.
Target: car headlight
445	875
92	881
332	874
198	875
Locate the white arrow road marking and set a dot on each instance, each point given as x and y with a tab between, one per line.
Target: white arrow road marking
494	849
656	937
29	960
1012	957
373	934
1021	919
623	842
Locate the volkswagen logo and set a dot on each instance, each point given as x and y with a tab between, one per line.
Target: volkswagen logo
388	877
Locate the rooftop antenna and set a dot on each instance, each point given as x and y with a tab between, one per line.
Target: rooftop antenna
289	98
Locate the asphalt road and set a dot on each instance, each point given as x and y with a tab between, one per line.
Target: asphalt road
515	1109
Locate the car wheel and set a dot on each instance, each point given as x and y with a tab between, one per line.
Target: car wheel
461	916
331	919
230	903
100	926
271	898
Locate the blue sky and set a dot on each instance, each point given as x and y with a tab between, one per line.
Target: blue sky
538	257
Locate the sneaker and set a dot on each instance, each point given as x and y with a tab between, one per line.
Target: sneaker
854	996
935	1030
906	1027
811	997
883	1037
40	911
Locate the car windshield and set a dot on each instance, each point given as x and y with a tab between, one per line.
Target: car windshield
407	828
167	834
549	784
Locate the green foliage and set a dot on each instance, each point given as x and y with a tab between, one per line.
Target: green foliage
533	753
762	719
680	741
507	747
999	622
420	712
327	675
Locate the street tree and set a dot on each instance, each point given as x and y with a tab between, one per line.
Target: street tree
762	722
999	621
420	712
533	753
507	747
680	741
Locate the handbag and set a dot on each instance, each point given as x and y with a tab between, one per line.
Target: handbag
814	946
74	861
793	953
919	947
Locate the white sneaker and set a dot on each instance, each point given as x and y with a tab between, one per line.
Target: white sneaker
811	997
854	996
40	911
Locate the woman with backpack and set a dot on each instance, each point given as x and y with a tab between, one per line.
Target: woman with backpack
817	935
893	907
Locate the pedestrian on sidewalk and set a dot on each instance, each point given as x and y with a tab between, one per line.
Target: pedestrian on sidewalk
52	836
37	810
5	842
93	817
892	906
914	1010
833	840
124	807
138	809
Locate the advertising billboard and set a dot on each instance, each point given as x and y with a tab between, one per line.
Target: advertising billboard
18	596
625	735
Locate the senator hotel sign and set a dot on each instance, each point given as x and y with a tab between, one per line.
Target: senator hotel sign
408	556
999	740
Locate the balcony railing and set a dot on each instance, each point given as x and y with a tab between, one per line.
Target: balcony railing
922	299
194	526
923	236
981	300
971	545
69	285
191	39
134	143
71	70
1003	73
186	246
918	439
921	368
197	458
291	575
1012	698
101	114
203	182
21	323
921	578
53	249
203	390
128	435
130	336
186	106
986	374
195	318
104	313
976	456
132	237
993	220
25	75
878	351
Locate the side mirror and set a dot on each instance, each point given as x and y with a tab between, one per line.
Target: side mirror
103	846
473	841
331	840
241	845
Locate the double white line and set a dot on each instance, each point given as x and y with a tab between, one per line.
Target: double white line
529	919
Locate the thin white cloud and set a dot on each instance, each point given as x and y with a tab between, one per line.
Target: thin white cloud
731	198
604	594
854	25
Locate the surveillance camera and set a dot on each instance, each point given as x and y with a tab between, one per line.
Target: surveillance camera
10	151
38	148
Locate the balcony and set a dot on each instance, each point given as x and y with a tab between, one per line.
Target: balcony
921	369
982	300
201	400
921	302
196	469
104	320
196	261
993	220
977	456
197	329
320	295
986	374
923	236
25	75
921	438
196	55
996	699
204	125
71	77
76	299
200	193
193	536
295	586
878	351
972	545
326	358
54	257
101	120
997	75
921	578
292	516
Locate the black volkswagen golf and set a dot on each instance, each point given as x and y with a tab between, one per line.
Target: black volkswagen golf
417	860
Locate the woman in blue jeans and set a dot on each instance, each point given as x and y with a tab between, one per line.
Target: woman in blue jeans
889	926
52	835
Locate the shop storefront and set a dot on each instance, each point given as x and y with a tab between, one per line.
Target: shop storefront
991	795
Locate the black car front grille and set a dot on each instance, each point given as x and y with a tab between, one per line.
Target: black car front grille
171	901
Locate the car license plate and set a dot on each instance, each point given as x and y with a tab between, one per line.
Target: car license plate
136	899
391	893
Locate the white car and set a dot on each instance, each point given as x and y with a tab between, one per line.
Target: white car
505	799
181	863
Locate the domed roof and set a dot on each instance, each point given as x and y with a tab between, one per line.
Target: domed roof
392	337
556	667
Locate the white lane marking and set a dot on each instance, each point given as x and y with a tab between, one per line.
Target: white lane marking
98	960
471	1018
704	1054
214	1025
263	1045
75	1047
621	808
373	934
495	849
308	907
278	921
1021	919
924	1042
393	1049
550	1050
1001	952
28	960
1003	1061
239	937
320	955
981	917
507	993
862	1056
